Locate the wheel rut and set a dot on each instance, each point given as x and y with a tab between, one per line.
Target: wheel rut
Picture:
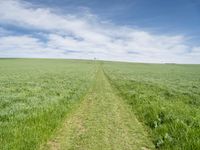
102	121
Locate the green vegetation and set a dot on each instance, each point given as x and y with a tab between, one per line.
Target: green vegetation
74	104
36	95
103	121
166	98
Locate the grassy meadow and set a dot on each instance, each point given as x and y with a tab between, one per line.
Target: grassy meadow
38	95
165	97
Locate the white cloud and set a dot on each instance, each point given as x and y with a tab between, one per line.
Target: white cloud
196	49
86	36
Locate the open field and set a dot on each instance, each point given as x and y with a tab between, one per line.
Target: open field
102	121
166	98
36	95
74	104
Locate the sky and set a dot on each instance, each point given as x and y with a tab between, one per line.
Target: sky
155	31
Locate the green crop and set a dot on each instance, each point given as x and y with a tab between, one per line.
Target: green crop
36	95
166	98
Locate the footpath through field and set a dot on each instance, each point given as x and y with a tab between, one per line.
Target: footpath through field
102	122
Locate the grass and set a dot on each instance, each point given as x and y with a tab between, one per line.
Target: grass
36	95
74	104
166	98
103	121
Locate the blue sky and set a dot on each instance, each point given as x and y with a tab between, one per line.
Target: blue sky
175	15
127	30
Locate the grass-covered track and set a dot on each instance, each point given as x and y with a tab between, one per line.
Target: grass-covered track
166	98
103	121
36	95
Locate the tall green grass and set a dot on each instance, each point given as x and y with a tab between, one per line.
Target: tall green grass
166	98
36	95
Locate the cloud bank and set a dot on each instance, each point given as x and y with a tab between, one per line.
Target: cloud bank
50	34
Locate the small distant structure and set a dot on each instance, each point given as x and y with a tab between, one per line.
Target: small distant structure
95	60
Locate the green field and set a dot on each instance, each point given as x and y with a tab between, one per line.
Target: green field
36	95
166	98
76	104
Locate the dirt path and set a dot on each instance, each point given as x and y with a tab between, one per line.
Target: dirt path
102	122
